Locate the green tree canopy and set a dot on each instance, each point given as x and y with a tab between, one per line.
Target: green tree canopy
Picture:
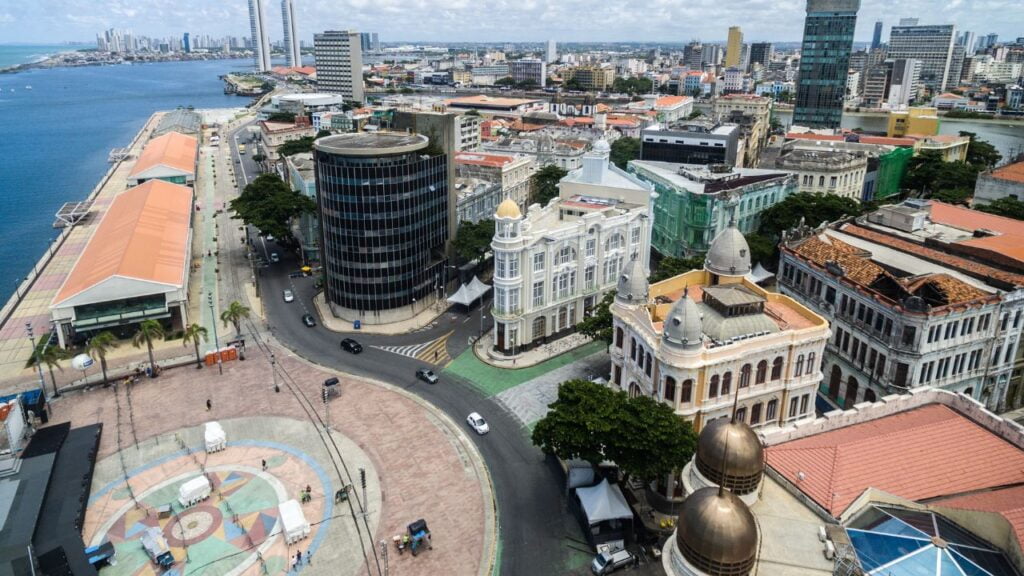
669	267
933	177
281	117
1009	207
813	208
762	249
632	85
599	324
291	147
980	153
579	422
472	241
269	204
545	183
625	149
506	81
573	84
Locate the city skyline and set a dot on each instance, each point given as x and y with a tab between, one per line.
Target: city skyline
78	20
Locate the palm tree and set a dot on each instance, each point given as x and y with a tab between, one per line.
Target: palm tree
194	333
234	314
98	346
51	356
149	330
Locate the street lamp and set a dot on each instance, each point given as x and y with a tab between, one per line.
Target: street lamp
17	287
35	356
216	341
273	370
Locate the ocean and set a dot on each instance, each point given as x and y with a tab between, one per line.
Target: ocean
14	54
56	137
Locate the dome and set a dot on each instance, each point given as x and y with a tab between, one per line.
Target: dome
742	473
508	209
602	147
717	533
632	285
683	325
729	254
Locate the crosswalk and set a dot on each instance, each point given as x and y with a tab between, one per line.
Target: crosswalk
434	352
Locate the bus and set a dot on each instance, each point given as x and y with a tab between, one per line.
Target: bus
241	149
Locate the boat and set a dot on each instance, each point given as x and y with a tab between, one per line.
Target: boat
28	87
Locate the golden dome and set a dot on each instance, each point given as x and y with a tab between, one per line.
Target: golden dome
508	209
717	533
745	466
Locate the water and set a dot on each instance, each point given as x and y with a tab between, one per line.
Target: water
14	54
56	137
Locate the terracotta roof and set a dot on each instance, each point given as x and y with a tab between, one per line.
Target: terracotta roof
143	235
952	289
478	159
971	220
485	101
670	101
1009	502
173	149
858	267
1013	172
923	453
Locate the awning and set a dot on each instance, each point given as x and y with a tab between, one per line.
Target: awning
604	502
759	274
469	293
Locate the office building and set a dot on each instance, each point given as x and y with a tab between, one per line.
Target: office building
528	71
382	238
876	37
590	77
933	46
697	141
369	42
734	47
968	41
339	64
512	173
292	52
761	53
752	114
186	45
258	32
695	203
904	82
916	121
552	52
300	173
824	62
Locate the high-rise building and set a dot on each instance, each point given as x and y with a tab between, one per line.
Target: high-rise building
383	200
552	54
693	55
932	45
967	40
761	53
528	70
339	63
904	82
185	44
291	34
258	31
734	47
876	38
824	62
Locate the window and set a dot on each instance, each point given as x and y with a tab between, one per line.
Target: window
745	376
686	393
588	277
632	349
591	247
1016	319
538	262
830	295
647	368
832	182
611	268
821	181
901	375
614	242
618	337
713	387
726	383
909	333
811	368
501	265
771	410
538	297
755	414
670	390
762	372
513	300
799	366
793	405
635	236
803	403
565	255
777	368
741	414
513	265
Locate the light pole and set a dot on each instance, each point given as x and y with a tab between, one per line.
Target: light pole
273	370
17	287
216	341
35	356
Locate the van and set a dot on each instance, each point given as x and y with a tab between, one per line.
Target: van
608	562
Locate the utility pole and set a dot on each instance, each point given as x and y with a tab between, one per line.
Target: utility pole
35	356
273	370
362	481
216	341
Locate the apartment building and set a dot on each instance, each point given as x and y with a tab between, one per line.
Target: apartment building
836	172
933	46
339	63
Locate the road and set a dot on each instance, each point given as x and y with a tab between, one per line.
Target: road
532	513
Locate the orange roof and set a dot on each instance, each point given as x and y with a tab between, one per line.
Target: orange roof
881	140
144	235
668	101
1013	172
1009	502
306	70
173	149
907	454
971	220
478	159
489	101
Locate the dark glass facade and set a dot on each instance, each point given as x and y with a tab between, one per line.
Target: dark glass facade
383	222
825	62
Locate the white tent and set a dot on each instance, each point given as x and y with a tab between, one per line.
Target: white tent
604	502
759	274
469	293
293	521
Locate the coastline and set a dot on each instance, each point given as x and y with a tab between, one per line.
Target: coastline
81	58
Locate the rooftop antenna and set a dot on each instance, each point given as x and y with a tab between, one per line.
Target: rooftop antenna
735	403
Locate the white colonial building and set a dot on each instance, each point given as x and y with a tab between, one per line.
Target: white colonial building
553	265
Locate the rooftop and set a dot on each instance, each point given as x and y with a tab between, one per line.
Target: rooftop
371	143
484	101
704	179
481	159
830	158
173	150
698	125
1012	172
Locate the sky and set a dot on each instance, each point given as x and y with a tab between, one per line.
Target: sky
49	21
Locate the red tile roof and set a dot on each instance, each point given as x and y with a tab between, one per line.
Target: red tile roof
1013	172
478	159
919	454
174	150
1009	502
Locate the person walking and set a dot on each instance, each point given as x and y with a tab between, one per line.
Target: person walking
309	558
209	404
264	462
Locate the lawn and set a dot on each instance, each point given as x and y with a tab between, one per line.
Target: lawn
492	380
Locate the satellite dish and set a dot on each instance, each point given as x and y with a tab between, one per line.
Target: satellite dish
81	362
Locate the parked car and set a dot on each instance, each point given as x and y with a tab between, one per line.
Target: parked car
308	320
477	422
350	345
288	296
607	562
427	375
274	257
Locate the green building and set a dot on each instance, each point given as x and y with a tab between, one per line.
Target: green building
891	167
695	202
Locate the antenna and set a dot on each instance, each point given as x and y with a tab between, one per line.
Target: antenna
725	459
735	402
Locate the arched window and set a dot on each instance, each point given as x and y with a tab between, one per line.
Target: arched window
772	411
968	392
726	383
777	368
869	395
650	362
741	414
634	390
762	372
833	382
755	414
713	387
811	368
686	393
670	390
632	349
745	376
851	392
618	337
799	366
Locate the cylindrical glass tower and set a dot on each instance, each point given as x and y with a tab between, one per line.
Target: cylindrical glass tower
384	222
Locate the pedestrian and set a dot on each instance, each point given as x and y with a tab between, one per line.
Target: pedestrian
264	462
309	489
209	405
298	558
309	557
435	356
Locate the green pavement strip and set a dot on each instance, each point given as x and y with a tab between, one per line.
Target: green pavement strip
491	380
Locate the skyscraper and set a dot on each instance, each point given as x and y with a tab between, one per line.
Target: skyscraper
260	42
552	54
291	34
824	62
967	40
734	47
876	39
339	63
185	44
933	46
761	53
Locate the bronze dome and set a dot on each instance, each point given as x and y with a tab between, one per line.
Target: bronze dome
745	466
717	533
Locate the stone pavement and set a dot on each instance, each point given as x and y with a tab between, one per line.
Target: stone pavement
427	467
492	380
529	401
484	348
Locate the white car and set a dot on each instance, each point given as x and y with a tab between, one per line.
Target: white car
288	296
274	257
476	422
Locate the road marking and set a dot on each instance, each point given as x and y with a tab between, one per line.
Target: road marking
434	352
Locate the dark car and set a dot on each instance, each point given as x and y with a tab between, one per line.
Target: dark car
351	345
308	320
427	375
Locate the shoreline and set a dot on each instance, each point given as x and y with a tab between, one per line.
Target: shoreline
80	59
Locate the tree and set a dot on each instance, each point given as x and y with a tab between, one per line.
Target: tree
258	157
669	267
980	153
472	241
149	330
625	149
406	90
573	84
323	132
234	314
52	356
632	85
545	183
1008	206
297	146
473	112
269	204
528	84
930	175
98	346
194	333
762	249
650	440
599	324
579	422
506	81
813	208
695	114
281	117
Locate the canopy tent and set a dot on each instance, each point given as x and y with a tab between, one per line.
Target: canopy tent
759	274
603	502
469	293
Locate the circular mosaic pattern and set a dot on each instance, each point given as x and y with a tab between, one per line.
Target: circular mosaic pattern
194	525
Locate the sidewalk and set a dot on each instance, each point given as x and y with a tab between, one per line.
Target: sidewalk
492	380
484	349
427	318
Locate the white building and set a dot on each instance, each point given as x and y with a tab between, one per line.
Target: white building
511	172
291	34
553	265
528	70
552	53
836	172
258	31
933	46
339	63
